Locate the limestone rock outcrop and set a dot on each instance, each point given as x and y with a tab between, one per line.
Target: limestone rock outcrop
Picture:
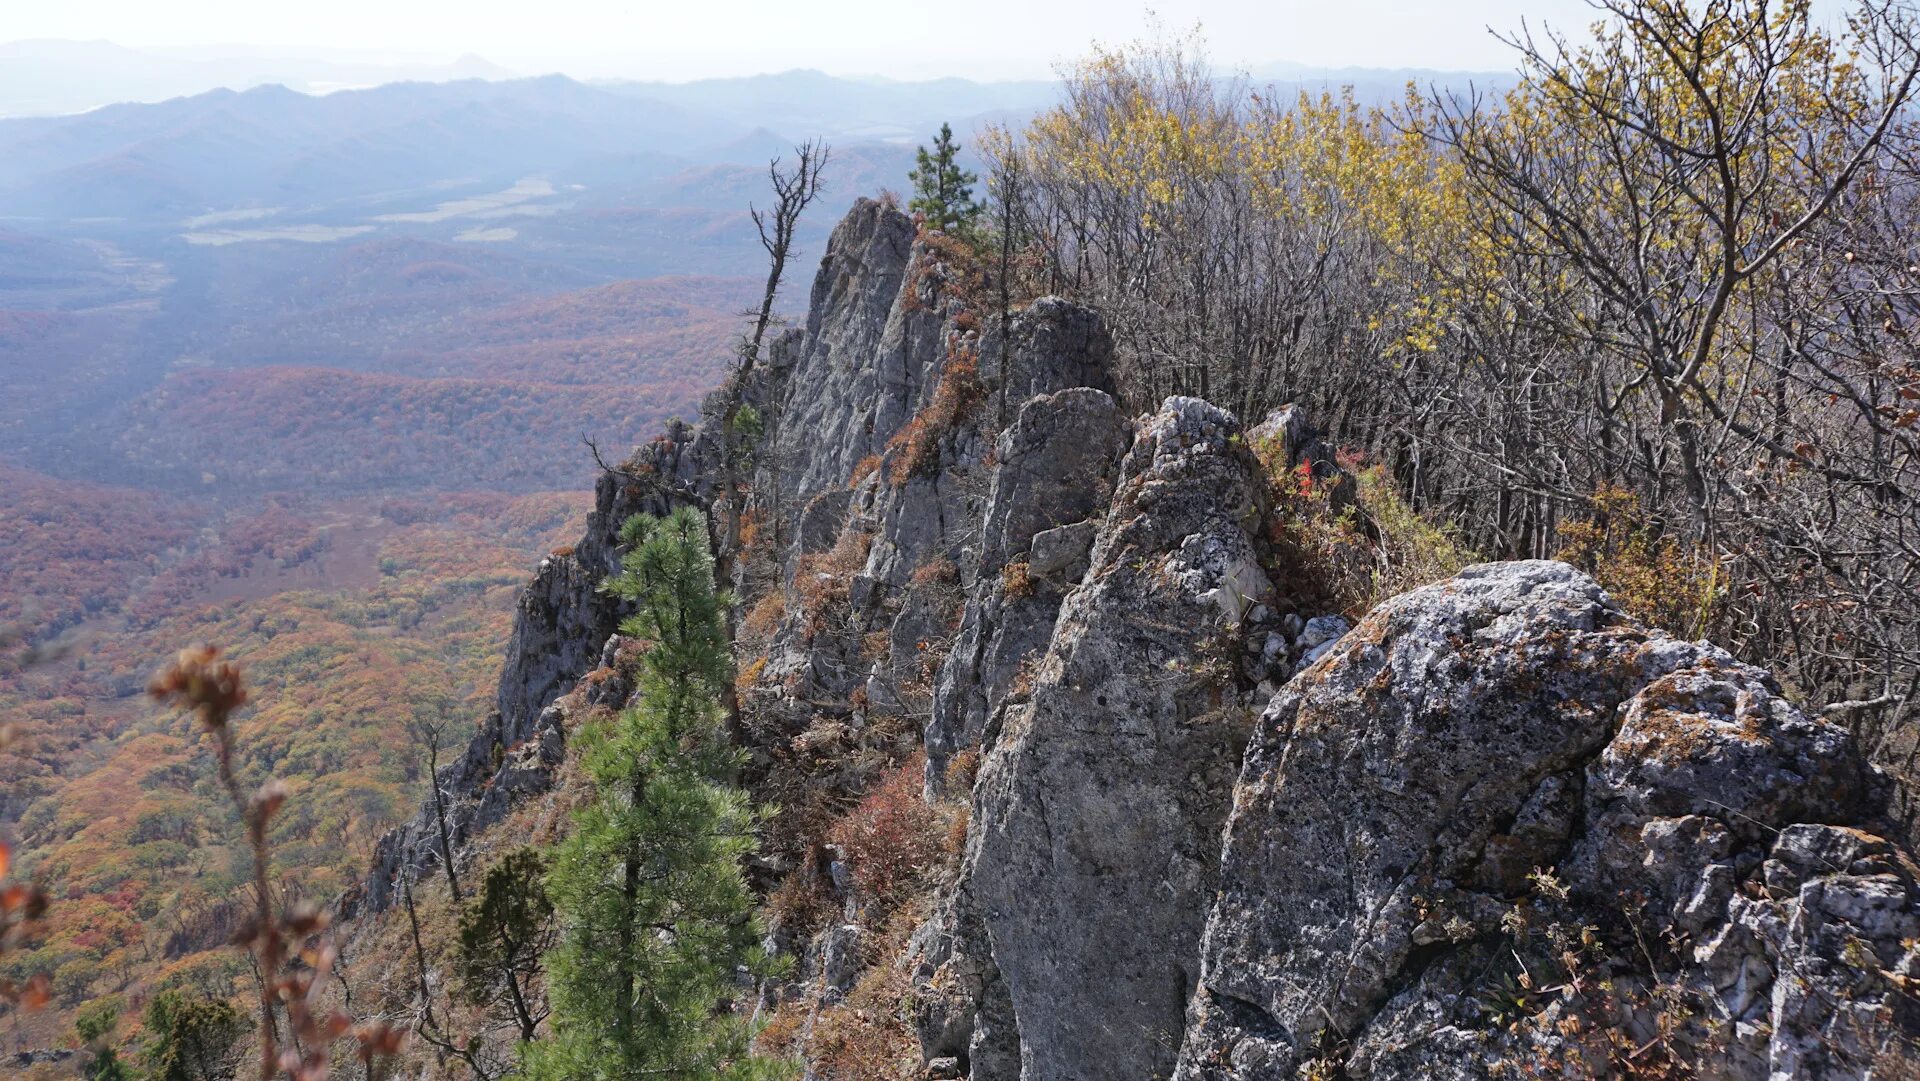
884	331
1501	823
1097	813
913	507
1055	469
852	377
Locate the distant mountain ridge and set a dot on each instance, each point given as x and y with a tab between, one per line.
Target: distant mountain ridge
340	158
271	147
53	78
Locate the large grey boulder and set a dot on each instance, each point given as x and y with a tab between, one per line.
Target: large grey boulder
1502	826
1097	813
1051	344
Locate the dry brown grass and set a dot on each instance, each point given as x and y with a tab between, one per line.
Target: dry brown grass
937	571
803	903
749	675
955	269
785	1030
1017	579
870	1036
914	450
863	469
763	617
823	580
1679	588
962	770
894	843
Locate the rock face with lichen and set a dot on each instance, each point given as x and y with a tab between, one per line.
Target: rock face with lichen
1097	812
1502	825
853	376
1055	469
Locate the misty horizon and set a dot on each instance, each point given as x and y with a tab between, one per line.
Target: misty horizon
61	77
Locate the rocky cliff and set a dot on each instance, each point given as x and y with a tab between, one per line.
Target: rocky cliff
1498	829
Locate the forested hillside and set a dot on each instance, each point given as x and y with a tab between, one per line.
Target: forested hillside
354	532
359	624
323	428
336	459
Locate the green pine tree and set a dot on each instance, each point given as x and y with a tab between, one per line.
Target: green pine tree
94	1025
192	1037
942	191
656	910
503	933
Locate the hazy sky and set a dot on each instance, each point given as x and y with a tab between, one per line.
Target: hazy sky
682	39
901	38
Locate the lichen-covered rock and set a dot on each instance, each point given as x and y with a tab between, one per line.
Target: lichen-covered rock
1055	467
936	503
917	506
1052	344
1096	817
1059	555
840	402
1501	826
1317	639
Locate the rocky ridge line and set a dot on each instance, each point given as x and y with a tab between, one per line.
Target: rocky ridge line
1184	858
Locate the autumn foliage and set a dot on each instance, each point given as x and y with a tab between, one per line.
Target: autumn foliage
893	841
289	964
398	612
1674	260
1648	570
915	449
